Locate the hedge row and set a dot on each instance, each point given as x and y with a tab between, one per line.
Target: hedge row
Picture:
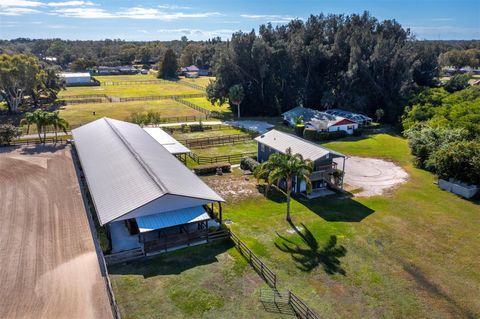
248	163
212	168
312	134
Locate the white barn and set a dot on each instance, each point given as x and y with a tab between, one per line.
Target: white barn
78	79
143	195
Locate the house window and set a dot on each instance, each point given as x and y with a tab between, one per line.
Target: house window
349	127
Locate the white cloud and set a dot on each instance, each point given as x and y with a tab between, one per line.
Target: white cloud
137	13
274	18
12	11
85	13
19	3
70	4
172	7
198	32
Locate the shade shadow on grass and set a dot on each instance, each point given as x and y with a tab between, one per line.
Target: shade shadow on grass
175	262
42	148
310	255
337	208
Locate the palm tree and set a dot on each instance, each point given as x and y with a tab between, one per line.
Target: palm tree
57	122
236	95
285	167
40	119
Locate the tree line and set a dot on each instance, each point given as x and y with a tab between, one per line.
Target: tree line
353	62
84	55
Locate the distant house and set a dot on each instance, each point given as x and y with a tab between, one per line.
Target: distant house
193	71
323	175
356	117
78	79
116	70
147	200
321	121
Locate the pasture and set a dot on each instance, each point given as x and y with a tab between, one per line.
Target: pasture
78	114
209	281
204	103
411	253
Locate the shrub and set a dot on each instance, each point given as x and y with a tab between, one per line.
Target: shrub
8	132
459	160
457	82
357	132
327	136
211	168
309	133
248	163
299	129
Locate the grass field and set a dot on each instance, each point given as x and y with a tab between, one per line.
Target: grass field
244	147
161	89
77	114
202	81
209	281
203	102
410	254
207	133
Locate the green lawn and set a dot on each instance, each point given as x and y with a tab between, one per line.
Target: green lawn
123	78
239	148
207	133
410	254
77	114
209	281
161	89
202	81
203	102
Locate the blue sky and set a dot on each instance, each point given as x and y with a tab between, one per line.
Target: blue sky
200	19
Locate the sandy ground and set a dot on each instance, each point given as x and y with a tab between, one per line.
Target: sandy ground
48	264
372	176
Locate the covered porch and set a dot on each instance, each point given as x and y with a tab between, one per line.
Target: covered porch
165	231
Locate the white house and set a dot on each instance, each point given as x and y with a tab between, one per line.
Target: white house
321	121
77	79
143	195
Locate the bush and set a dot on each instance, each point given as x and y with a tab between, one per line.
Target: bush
322	136
248	163
459	160
299	129
309	133
357	132
457	83
211	168
8	132
327	136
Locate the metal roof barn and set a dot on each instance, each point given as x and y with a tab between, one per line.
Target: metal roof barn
130	175
167	141
280	141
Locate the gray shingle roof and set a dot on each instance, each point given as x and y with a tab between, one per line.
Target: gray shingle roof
280	141
126	169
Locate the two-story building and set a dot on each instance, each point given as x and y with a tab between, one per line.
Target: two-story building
325	173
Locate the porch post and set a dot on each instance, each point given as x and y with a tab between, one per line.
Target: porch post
220	212
343	171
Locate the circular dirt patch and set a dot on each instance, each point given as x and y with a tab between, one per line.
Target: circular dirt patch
373	176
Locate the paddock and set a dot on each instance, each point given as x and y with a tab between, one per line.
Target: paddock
49	266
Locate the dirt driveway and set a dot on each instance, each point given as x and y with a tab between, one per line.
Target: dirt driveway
371	176
49	268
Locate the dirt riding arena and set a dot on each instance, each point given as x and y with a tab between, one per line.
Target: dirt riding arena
48	265
372	176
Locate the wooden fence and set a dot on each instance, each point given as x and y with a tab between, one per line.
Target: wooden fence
208	113
216	140
186	128
268	275
232	158
301	309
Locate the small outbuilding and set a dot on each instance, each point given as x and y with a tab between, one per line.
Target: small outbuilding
77	79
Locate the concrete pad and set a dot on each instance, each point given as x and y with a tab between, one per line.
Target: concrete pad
374	176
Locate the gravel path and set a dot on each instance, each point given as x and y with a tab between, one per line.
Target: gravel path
49	267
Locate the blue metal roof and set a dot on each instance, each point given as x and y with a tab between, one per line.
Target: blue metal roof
172	218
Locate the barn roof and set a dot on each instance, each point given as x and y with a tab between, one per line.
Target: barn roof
128	171
280	141
167	141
